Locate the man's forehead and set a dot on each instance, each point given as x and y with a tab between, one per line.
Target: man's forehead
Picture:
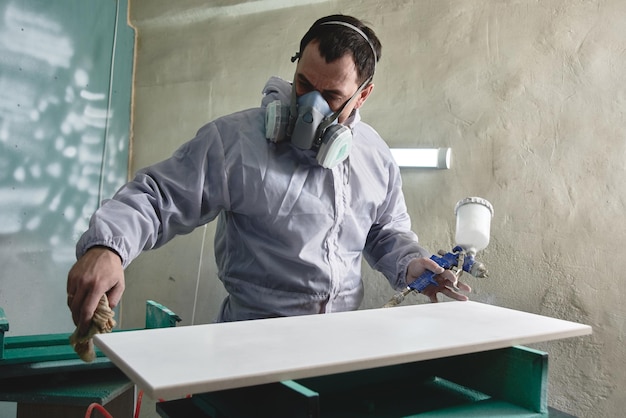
340	74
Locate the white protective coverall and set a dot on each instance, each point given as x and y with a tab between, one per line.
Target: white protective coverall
290	233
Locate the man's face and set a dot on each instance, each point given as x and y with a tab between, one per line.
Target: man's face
336	81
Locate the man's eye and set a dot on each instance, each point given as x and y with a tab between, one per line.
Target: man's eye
303	87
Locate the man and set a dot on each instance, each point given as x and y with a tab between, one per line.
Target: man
301	188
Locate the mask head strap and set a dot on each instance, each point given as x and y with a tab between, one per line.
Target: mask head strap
354	28
357	30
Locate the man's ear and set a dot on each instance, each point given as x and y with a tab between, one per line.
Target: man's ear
364	95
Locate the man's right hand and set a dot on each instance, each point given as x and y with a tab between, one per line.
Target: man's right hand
97	272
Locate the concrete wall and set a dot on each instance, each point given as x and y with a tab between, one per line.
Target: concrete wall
530	96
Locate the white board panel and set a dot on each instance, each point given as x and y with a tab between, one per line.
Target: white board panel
171	363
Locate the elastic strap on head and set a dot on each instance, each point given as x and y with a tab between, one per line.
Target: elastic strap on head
359	31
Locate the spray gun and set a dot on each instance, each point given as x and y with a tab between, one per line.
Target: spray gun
473	224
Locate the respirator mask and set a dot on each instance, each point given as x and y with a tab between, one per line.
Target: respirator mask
309	122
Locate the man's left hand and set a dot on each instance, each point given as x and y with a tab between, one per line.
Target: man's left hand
449	285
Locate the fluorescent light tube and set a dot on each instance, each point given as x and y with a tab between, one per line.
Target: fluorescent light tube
422	157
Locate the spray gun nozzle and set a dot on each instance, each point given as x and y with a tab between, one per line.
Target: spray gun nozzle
479	270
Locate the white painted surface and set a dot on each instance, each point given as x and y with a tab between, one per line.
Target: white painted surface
173	362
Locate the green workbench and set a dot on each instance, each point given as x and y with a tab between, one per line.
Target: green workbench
510	382
45	377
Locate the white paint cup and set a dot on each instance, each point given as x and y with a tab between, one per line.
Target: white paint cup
473	223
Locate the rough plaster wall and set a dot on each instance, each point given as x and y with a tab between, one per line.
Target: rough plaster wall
530	96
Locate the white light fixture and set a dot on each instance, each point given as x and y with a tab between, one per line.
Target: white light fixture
422	157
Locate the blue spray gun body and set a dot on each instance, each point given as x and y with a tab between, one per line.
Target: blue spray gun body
457	260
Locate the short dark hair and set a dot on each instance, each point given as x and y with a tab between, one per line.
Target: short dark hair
337	40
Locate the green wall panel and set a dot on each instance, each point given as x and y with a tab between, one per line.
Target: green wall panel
65	88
